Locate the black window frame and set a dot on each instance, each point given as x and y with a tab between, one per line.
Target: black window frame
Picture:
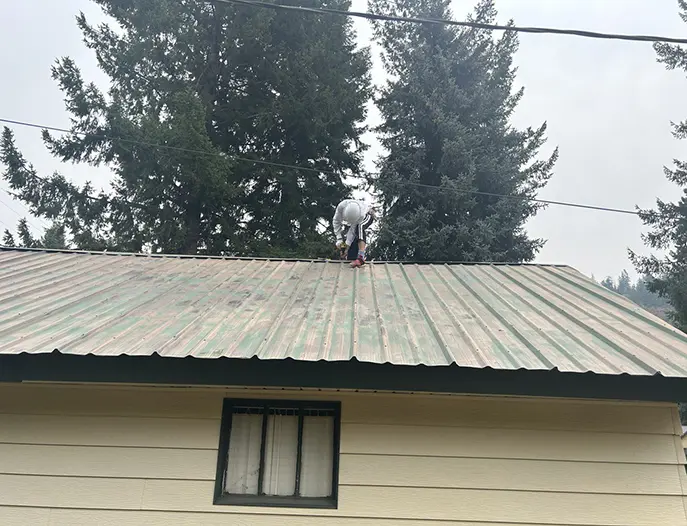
290	501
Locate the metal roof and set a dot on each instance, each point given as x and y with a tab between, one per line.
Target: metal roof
498	316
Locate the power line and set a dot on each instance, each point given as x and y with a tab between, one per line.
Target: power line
525	198
474	25
309	169
4	225
23	206
21	216
162	146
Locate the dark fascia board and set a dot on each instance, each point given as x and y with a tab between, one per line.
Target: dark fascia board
353	374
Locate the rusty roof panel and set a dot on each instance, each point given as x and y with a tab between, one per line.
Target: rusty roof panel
498	316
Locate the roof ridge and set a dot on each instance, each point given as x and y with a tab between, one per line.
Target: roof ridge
4	248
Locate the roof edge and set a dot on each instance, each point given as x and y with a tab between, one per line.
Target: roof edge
4	248
350	375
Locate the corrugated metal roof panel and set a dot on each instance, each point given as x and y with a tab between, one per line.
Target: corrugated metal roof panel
499	316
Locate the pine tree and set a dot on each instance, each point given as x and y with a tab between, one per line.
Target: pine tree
668	222
8	239
625	286
54	237
447	111
609	284
219	85
26	239
639	293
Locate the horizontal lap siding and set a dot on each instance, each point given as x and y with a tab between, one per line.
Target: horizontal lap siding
355	470
76	517
148	456
355	501
182	433
497	412
371	439
517	444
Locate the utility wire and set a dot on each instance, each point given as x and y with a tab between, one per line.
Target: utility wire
525	198
306	168
161	146
474	25
21	216
13	198
4	225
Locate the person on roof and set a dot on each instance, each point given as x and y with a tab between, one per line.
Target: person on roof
357	216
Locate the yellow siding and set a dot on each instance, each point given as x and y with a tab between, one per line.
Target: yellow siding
77	455
75	517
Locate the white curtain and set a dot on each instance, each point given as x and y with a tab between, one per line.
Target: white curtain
243	465
281	450
281	453
317	456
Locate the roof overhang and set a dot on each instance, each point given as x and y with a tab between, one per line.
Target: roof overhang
528	330
289	373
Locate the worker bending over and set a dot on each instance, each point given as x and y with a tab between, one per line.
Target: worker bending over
357	216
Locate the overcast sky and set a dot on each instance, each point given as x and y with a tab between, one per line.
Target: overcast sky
608	105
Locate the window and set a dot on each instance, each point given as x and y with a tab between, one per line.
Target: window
278	453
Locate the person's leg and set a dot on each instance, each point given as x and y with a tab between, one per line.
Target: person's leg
361	235
353	250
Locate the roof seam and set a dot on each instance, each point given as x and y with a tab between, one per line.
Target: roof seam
406	325
113	321
276	323
611	328
510	326
187	309
613	345
478	319
634	312
214	330
533	349
428	319
383	333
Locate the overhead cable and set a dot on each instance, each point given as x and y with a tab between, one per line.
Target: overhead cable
474	25
526	198
309	169
21	216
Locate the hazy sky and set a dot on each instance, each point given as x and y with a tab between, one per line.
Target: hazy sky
608	105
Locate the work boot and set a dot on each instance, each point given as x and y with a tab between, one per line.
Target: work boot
357	263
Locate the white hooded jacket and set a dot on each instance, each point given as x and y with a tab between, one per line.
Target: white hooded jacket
338	220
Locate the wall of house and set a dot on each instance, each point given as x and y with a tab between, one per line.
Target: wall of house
73	455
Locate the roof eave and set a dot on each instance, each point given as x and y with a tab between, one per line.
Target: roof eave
289	373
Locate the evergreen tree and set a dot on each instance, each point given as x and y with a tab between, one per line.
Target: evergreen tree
639	293
446	112
8	239
26	239
624	284
54	237
219	85
668	221
609	284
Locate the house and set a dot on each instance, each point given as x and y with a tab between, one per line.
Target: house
152	390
